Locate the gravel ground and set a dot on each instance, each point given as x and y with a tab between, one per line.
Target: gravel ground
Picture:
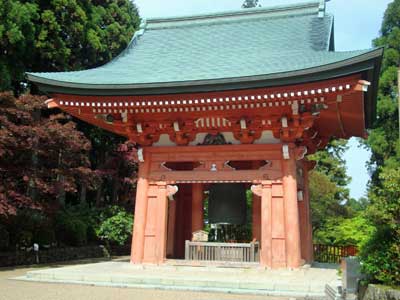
21	290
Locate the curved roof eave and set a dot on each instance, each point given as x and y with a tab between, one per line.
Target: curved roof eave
53	86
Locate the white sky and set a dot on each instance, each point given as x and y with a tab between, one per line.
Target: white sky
357	22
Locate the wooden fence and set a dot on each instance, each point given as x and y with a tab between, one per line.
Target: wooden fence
333	254
233	252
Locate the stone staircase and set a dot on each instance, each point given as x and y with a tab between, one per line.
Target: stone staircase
307	283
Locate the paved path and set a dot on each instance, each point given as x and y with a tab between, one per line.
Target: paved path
20	290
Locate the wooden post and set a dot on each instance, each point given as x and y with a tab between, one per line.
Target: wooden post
256	211
197	207
252	251
266	225
256	220
309	240
162	213
304	214
171	228
137	249
292	223
186	249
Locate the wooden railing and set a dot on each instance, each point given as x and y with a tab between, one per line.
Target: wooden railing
333	254
232	252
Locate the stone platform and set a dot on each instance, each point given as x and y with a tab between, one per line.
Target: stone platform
302	283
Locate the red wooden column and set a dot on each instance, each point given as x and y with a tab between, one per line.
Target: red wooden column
266	225
171	228
302	210
292	224
179	244
264	191
197	207
309	250
161	222
256	220
183	219
137	248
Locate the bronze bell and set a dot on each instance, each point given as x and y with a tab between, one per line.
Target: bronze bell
227	204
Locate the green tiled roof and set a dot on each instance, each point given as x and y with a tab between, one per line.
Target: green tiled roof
231	46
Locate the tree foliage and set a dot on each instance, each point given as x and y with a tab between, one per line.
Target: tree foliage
61	35
116	227
345	231
381	253
39	155
329	194
384	139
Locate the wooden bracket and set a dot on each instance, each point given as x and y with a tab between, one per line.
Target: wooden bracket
171	191
256	189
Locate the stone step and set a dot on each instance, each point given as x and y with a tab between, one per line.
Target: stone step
299	283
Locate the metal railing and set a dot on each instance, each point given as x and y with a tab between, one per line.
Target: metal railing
332	254
232	252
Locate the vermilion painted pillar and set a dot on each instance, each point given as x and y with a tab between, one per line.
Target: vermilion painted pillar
197	207
161	223
309	250
256	220
183	225
171	228
302	211
266	225
293	250
139	227
180	224
256	211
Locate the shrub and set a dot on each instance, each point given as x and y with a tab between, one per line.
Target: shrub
344	232
23	226
44	235
4	238
381	253
116	228
24	238
71	230
380	257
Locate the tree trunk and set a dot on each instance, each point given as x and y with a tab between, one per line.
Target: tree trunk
60	183
99	195
115	189
82	194
32	190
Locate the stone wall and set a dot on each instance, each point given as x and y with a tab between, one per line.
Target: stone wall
8	259
379	292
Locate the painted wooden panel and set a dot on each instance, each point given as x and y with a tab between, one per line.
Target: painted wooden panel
278	218
150	235
278	253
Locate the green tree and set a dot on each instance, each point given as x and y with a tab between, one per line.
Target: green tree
381	253
61	35
345	231
17	38
250	4
329	194
383	139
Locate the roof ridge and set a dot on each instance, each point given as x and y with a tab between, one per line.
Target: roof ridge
312	7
